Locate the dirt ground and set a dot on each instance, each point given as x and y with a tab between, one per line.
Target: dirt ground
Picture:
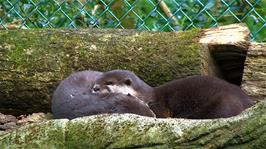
10	122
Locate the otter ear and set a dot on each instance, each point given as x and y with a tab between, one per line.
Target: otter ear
128	81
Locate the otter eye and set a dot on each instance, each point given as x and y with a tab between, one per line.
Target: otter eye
128	82
109	83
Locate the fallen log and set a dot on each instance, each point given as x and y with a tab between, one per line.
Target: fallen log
33	62
246	130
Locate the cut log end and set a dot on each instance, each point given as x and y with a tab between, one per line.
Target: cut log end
228	47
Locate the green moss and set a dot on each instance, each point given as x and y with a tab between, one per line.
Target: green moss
49	134
89	132
154	58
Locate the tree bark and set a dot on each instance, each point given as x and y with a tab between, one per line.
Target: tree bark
244	131
254	77
33	62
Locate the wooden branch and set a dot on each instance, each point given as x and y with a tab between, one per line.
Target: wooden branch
167	11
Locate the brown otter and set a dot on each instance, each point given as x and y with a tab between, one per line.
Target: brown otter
74	98
195	97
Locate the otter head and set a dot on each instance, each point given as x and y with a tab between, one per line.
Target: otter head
117	81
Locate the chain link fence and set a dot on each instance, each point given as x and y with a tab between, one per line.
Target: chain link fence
162	15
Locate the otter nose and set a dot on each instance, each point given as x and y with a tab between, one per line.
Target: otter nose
96	88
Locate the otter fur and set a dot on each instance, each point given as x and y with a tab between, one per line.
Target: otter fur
74	98
194	97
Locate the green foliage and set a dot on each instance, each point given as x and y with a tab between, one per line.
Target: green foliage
134	14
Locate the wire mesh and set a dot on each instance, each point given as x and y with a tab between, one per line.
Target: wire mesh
162	15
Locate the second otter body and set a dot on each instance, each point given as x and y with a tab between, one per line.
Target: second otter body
199	97
196	97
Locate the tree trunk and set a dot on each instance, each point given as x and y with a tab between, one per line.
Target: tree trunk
245	131
33	62
254	77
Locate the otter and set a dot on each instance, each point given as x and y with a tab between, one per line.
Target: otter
193	97
74	98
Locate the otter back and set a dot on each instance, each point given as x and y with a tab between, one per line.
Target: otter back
199	97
